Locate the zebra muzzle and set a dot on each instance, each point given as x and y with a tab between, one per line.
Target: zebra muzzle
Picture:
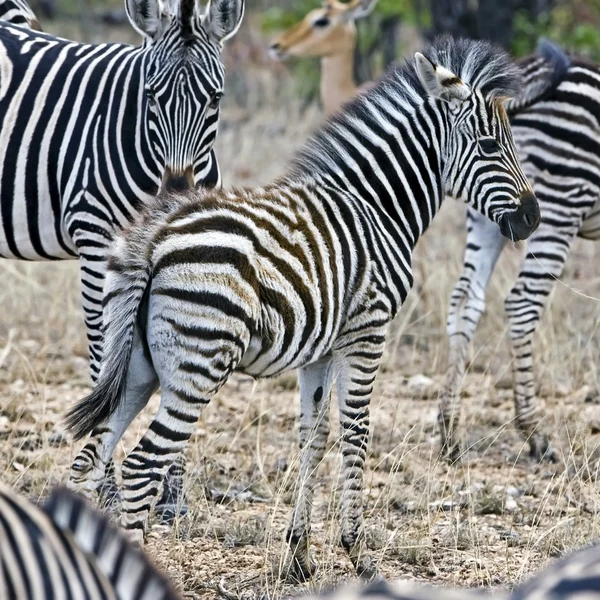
178	181
522	222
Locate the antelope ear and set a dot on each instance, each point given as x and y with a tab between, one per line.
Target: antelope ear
439	82
359	9
150	18
223	19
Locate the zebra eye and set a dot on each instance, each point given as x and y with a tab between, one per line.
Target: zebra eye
489	145
151	95
321	22
216	99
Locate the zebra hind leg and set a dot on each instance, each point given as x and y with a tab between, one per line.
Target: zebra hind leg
188	383
315	386
92	470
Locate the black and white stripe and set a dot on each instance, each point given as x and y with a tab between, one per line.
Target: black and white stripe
89	133
305	273
66	549
556	126
20	13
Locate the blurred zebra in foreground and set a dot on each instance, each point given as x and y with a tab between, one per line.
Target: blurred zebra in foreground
556	127
19	12
66	549
305	273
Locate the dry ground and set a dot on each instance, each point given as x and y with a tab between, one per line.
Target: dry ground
489	522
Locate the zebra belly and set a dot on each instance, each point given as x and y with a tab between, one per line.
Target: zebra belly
27	239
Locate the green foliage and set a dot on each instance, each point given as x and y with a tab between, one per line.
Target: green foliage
575	25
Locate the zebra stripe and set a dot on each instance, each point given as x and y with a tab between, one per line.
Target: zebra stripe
305	273
90	132
20	13
556	126
66	549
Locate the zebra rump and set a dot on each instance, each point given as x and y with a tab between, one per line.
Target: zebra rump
121	306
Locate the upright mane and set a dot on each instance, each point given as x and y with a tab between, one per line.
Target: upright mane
479	64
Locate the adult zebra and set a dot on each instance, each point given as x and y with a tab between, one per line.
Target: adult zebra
90	132
556	127
305	273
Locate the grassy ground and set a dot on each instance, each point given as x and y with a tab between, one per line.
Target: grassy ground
490	521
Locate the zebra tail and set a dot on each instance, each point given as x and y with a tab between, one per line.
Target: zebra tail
127	280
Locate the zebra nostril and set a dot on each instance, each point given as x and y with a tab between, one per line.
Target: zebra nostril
529	219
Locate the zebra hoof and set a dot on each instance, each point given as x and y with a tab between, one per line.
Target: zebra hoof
301	571
452	454
540	449
169	513
366	569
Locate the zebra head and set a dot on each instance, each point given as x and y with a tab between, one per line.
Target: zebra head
184	78
471	81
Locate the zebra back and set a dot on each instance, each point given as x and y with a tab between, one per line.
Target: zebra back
18	12
67	549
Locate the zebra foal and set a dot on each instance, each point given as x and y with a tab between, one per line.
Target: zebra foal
67	549
556	127
305	273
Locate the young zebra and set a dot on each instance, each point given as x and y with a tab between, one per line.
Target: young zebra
306	274
89	132
556	126
66	549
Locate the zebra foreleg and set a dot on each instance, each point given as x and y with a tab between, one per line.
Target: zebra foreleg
524	306
315	386
355	385
467	304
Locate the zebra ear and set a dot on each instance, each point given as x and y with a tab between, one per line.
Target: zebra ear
150	18
223	18
438	81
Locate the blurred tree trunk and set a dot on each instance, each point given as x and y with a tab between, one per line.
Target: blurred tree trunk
495	20
452	16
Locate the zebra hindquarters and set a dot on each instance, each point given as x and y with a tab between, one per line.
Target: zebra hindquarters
196	339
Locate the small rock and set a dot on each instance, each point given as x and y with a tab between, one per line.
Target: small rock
420	386
592	397
510	504
4	424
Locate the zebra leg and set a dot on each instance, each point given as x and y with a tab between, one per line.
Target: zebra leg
547	252
89	469
357	372
191	372
315	386
484	245
93	268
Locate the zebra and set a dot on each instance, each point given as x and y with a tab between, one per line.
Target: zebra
305	273
20	13
66	549
90	132
556	127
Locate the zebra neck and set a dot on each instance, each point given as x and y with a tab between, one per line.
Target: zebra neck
390	168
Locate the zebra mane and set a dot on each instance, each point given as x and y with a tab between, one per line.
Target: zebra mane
479	64
542	74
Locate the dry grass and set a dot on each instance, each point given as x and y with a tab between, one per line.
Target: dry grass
489	522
